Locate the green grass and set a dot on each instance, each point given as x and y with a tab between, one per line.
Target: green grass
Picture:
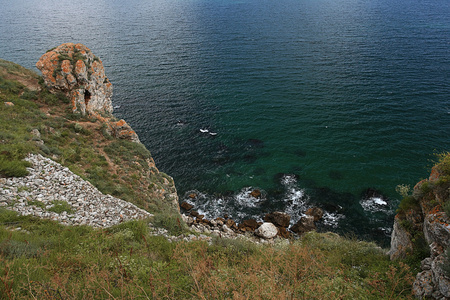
170	221
16	123
47	260
60	206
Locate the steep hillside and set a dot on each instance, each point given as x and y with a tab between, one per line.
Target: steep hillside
422	231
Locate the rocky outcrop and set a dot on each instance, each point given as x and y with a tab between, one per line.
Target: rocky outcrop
122	130
315	212
424	219
400	242
279	219
74	70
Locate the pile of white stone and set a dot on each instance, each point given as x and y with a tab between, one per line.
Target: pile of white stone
49	183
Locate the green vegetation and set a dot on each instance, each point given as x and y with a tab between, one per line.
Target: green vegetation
46	260
430	195
60	206
15	123
170	221
407	203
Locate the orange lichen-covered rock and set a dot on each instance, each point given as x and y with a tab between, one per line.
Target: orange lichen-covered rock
74	70
122	130
435	174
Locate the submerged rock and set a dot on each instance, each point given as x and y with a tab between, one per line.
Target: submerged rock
186	206
315	212
255	194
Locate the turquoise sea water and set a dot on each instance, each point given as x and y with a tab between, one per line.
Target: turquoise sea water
315	102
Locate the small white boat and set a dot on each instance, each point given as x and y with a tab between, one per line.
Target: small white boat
204	130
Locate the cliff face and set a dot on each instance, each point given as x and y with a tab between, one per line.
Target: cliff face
423	224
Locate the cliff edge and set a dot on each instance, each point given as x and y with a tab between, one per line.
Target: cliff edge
422	231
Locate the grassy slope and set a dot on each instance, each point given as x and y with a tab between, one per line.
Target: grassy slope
45	260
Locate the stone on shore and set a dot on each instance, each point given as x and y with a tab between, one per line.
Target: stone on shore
279	219
266	231
305	224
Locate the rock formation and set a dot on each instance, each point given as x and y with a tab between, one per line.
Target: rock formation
279	219
76	72
422	225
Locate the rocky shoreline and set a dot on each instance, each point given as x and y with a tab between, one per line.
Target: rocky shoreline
275	225
50	186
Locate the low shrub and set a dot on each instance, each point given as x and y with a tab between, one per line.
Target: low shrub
170	221
444	162
13	168
446	208
403	190
60	206
13	249
407	203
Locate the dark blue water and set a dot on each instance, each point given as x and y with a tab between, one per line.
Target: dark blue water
312	101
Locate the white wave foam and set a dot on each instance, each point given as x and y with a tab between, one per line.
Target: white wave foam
288	179
332	219
206	205
297	203
245	199
374	204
